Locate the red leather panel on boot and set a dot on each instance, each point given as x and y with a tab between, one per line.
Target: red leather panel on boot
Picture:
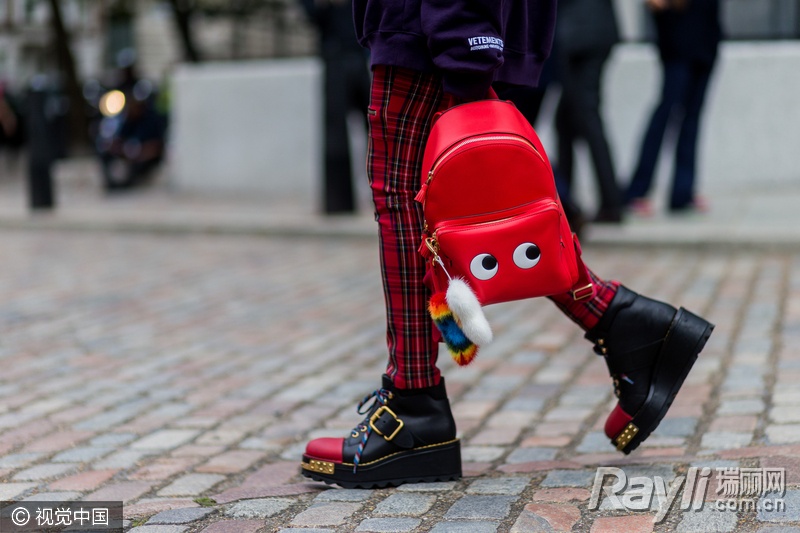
326	449
616	422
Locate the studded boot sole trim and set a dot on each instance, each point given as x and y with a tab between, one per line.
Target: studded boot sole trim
437	462
686	337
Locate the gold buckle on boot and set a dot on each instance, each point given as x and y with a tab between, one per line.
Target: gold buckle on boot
377	415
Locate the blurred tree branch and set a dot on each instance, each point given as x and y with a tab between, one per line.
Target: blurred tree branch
78	130
240	11
182	11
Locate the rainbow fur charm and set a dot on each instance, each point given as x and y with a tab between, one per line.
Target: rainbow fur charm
459	317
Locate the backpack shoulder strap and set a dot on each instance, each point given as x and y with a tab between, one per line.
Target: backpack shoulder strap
583	288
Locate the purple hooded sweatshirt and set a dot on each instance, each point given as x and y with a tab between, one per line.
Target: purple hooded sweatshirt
469	42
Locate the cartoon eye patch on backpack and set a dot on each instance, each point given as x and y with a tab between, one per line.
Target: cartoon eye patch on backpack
485	266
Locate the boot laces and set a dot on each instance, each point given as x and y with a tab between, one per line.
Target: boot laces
616	379
379	397
600	348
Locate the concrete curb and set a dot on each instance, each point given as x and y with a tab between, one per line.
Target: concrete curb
629	235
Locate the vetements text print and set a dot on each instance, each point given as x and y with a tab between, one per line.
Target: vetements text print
484	42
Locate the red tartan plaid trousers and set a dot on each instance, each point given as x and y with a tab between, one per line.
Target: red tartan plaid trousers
402	106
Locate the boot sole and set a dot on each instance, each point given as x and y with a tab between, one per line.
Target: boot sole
439	462
685	339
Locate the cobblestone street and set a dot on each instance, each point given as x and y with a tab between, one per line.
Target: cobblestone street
183	374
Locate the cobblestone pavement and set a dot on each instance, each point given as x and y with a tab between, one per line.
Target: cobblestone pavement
183	374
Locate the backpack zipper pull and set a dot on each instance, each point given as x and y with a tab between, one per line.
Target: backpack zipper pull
420	197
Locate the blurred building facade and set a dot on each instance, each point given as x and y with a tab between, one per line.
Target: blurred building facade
100	29
26	37
254	29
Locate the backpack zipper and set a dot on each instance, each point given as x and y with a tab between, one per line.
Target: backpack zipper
433	243
420	197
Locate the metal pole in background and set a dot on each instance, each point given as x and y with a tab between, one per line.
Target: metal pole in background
41	148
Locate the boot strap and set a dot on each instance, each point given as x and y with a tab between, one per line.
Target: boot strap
386	423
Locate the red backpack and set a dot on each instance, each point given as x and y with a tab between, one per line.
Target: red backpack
492	214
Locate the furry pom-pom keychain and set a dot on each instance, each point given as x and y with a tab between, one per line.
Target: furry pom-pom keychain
468	312
461	349
458	315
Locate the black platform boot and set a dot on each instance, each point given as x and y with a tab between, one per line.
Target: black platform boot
649	348
408	436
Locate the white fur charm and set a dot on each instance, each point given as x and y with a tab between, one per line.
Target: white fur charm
469	314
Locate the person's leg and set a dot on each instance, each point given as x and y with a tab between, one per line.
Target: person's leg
587	313
649	348
338	196
587	75
527	99
674	82
401	112
360	86
565	144
416	434
565	120
682	195
572	210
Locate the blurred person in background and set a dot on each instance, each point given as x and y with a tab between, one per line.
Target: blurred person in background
346	89
529	102
586	32
134	145
688	36
130	135
12	132
10	126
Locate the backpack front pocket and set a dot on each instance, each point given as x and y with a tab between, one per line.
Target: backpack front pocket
513	258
